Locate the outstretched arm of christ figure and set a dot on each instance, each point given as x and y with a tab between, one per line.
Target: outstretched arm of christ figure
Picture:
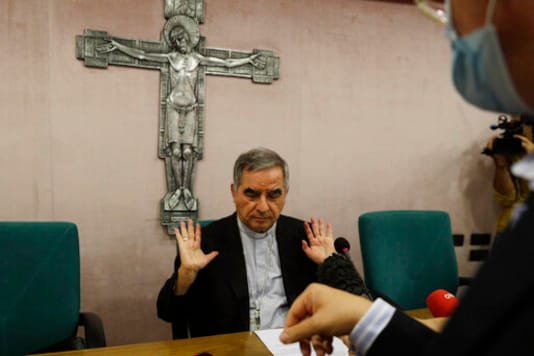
113	45
256	60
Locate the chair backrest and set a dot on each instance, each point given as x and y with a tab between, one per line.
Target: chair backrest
407	254
204	223
39	285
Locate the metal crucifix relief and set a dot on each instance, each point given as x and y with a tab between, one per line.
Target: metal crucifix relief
183	61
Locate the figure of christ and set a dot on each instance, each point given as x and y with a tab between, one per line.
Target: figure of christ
181	122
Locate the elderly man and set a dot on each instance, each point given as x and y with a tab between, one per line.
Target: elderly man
243	272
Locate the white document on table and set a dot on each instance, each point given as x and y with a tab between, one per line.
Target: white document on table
270	338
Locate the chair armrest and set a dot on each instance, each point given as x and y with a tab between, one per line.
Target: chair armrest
94	329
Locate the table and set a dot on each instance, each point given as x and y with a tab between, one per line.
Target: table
241	343
422	313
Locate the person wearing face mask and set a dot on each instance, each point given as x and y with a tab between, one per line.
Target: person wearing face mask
493	68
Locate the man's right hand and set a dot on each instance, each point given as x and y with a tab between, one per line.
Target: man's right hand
192	258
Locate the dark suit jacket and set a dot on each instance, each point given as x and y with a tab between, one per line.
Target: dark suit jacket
218	301
494	317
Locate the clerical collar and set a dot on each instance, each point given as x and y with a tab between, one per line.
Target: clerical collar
252	234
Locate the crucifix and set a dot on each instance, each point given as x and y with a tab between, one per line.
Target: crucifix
183	61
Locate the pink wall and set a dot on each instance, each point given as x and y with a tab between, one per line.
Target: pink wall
364	112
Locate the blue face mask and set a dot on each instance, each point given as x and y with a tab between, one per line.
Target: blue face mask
479	70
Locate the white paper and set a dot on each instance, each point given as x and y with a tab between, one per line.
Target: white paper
271	340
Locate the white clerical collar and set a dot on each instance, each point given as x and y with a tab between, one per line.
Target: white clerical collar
252	234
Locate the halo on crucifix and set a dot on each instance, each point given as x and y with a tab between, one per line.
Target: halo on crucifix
183	62
181	21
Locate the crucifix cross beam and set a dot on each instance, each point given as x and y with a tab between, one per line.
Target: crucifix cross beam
183	61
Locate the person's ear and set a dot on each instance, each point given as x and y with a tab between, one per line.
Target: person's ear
233	190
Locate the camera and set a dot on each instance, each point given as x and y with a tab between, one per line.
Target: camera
507	144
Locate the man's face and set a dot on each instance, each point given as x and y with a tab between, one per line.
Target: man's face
260	198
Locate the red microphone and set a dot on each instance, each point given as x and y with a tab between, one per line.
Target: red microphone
441	303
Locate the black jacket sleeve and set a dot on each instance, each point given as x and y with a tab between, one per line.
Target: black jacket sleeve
402	336
165	304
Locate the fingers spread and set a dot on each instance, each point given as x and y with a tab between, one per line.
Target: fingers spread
190	229
305	246
197	235
177	236
321	226
210	256
329	230
308	230
183	230
315	229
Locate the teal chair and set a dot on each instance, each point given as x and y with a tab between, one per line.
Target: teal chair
204	223
407	254
40	290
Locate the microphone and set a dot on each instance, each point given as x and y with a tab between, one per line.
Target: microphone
342	247
441	303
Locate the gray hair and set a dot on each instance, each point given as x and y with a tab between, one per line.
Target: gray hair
257	159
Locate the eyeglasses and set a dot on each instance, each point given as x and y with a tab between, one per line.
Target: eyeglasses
432	10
